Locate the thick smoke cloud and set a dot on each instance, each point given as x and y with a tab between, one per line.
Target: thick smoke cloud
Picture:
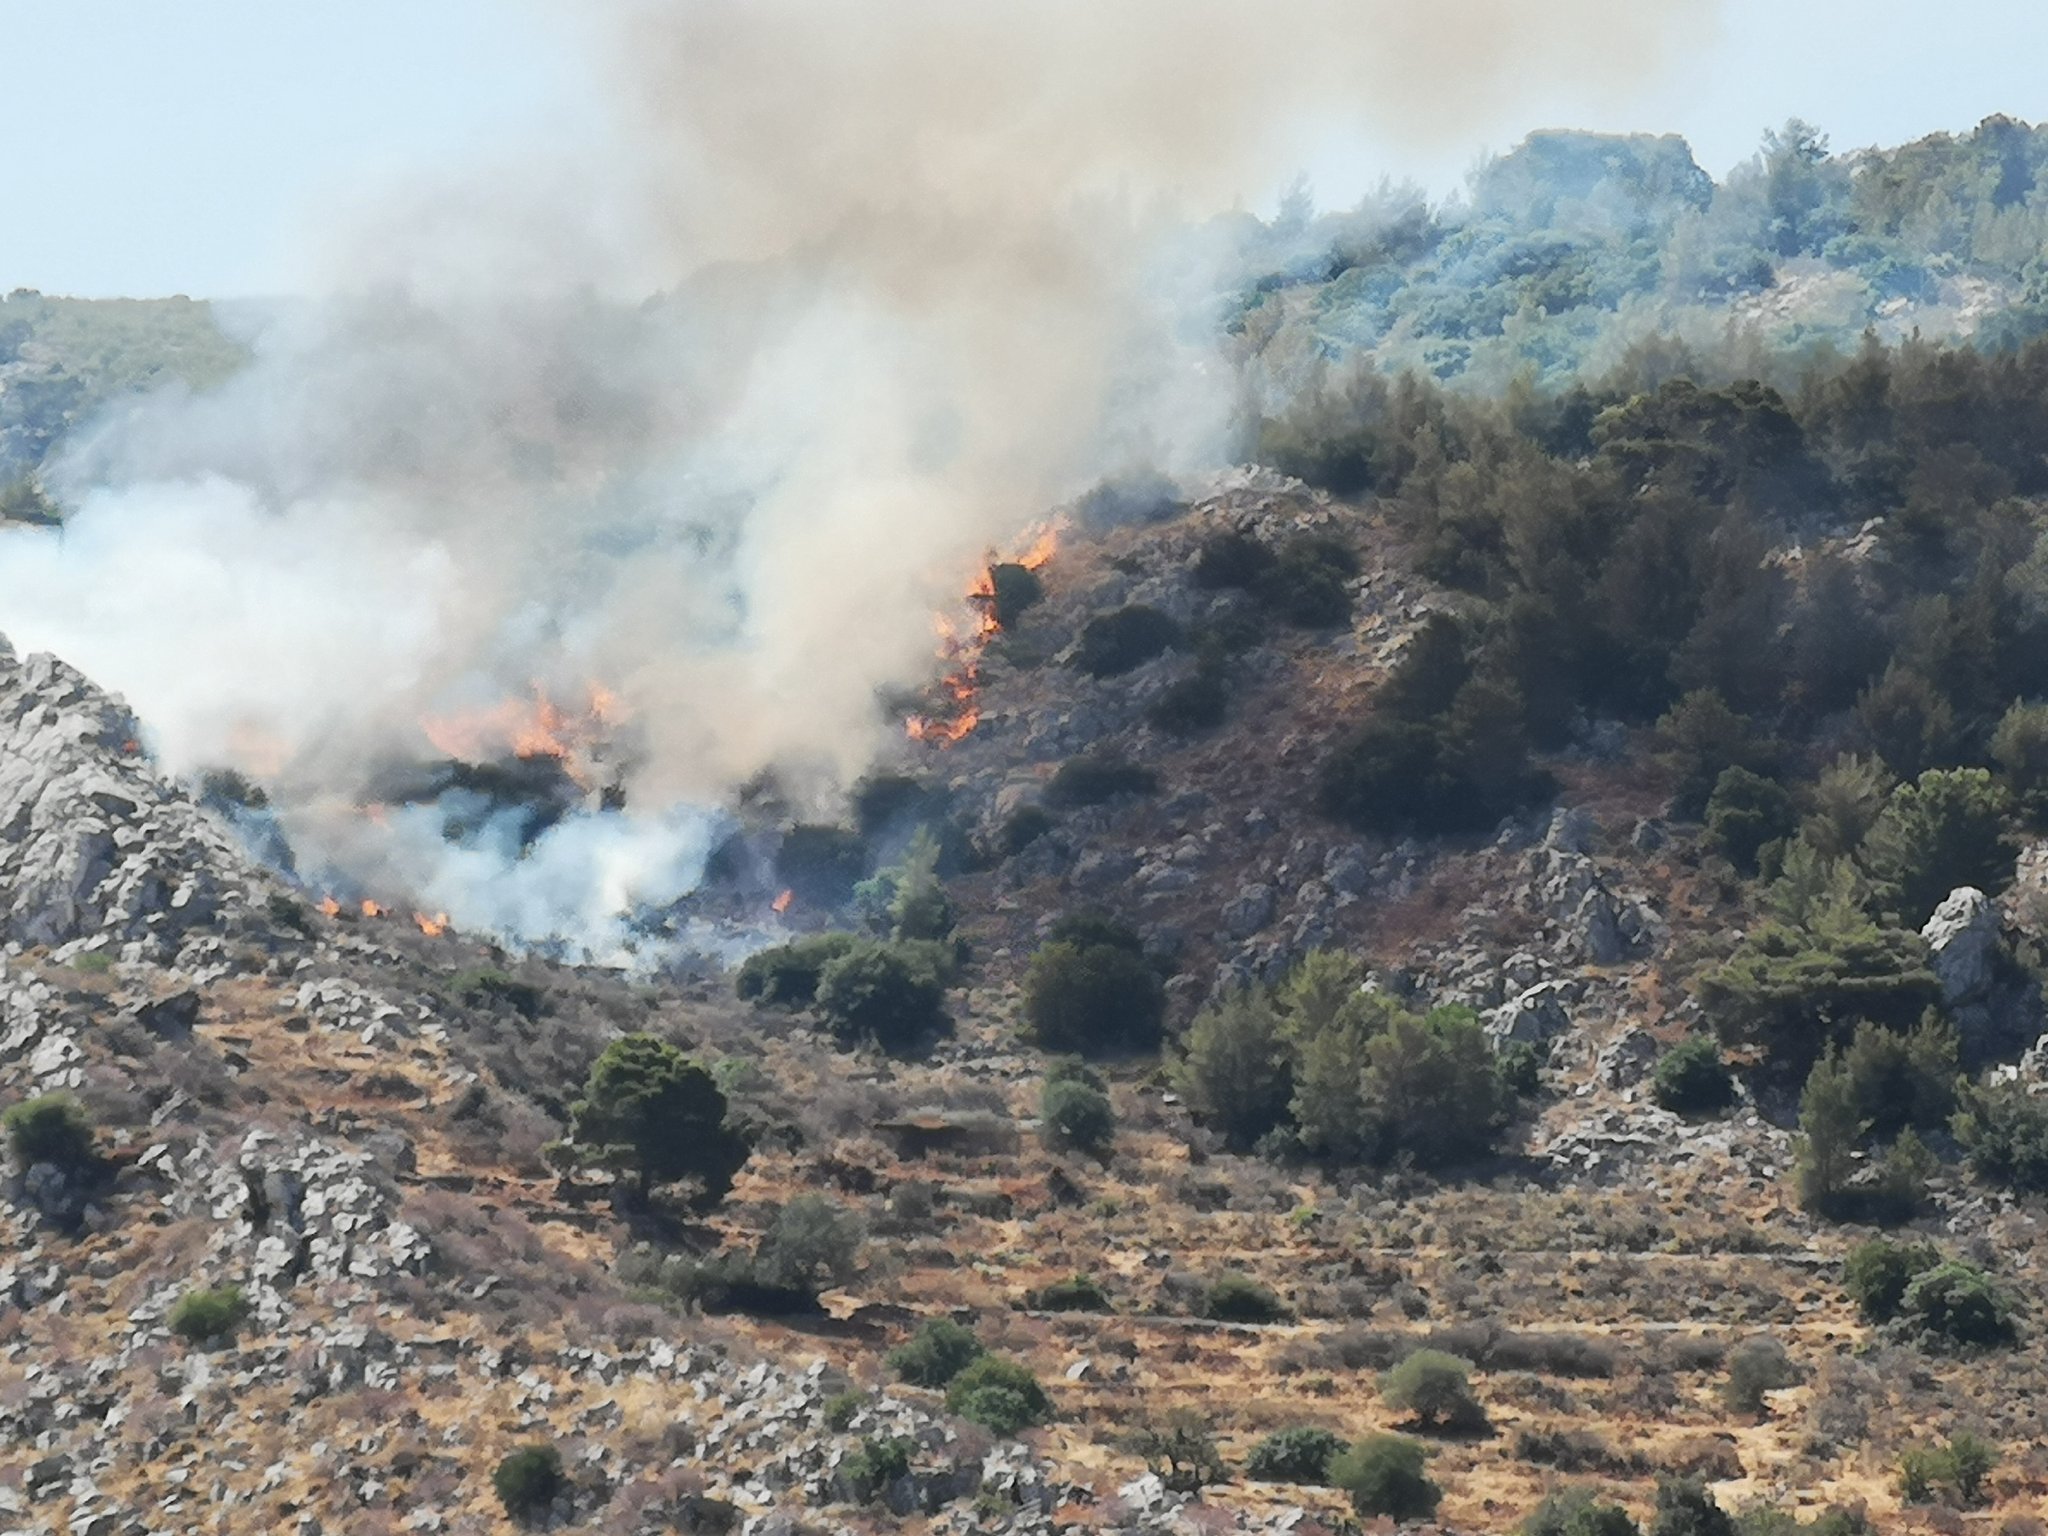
917	277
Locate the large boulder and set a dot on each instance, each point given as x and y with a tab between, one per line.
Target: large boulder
1535	1017
94	841
1994	1003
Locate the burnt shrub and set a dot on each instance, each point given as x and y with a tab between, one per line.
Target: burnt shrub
787	975
1092	780
1016	589
1092	998
822	864
887	994
1299	1455
1111	644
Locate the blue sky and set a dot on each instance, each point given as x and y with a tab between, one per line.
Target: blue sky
199	146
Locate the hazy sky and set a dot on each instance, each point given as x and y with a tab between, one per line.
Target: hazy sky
201	146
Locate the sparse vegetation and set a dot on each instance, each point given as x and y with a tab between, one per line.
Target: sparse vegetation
209	1315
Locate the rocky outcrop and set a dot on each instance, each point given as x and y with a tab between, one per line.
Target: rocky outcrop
1996	1006
94	843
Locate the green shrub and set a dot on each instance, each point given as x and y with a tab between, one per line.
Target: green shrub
1901	1080
1229	559
1236	1067
841	1409
1083	781
487	987
2004	1131
1436	1388
1757	1367
822	864
52	1128
1745	812
787	975
1693	1079
1384	1476
92	962
1945	829
209	1315
885	994
1793	988
1458	774
1077	1293
810	1244
1236	1298
1301	1454
528	1481
879	1461
1879	1271
649	1110
940	1350
1076	1116
1961	1466
1307	583
1578	1512
1686	1507
999	1394
1112	644
1093	999
1959	1304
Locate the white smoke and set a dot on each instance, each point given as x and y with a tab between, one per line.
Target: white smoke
907	278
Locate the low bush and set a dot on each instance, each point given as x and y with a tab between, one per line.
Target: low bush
1077	1293
1578	1512
1686	1507
1757	1367
528	1481
1879	1271
52	1128
1384	1476
487	987
1083	781
1299	1455
1111	644
885	994
1181	1452
841	1408
1436	1388
2004	1132
999	1394
787	975
1092	998
1959	1467
1196	703
1236	1298
1307	584
940	1350
1075	1114
1959	1304
1230	559
822	864
1693	1079
879	1461
210	1315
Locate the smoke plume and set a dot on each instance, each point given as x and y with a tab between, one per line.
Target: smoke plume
715	423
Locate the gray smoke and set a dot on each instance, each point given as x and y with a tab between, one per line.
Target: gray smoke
918	274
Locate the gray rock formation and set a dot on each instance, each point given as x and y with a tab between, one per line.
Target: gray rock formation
94	843
1995	1005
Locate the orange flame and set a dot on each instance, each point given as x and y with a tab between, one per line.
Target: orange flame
371	909
329	907
956	719
433	927
781	903
536	727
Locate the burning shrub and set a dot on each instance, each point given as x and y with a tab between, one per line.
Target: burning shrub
648	1109
1112	644
528	1481
1015	589
821	864
209	1316
1092	998
787	975
890	994
1092	780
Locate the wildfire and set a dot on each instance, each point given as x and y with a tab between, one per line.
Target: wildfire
960	649
329	907
528	728
781	903
371	908
433	927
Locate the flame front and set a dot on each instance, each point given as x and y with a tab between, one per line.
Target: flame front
528	728
781	903
329	907
433	927
961	652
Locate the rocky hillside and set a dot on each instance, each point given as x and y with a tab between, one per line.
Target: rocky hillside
359	1127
